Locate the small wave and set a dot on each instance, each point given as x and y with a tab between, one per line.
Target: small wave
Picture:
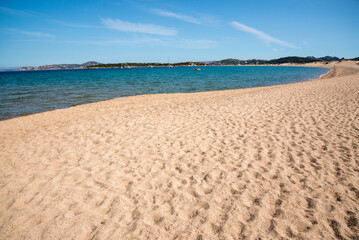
324	74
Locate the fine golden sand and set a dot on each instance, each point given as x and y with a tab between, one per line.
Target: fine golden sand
263	163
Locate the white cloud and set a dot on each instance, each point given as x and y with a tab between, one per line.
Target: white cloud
262	35
119	25
34	34
182	17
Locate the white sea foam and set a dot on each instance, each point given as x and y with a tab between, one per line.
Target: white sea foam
324	74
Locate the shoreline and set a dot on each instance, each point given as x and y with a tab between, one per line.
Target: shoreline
297	65
268	162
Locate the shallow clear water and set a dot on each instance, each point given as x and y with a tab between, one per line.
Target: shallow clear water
23	93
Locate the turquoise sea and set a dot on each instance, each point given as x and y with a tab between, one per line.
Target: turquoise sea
23	93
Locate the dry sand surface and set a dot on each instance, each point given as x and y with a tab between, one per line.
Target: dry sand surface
264	163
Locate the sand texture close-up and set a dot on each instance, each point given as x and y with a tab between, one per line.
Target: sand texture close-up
278	162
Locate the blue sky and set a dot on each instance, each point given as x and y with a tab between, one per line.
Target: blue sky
37	32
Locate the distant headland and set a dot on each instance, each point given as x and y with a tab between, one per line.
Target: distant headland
224	62
59	66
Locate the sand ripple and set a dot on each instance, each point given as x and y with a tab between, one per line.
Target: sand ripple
269	163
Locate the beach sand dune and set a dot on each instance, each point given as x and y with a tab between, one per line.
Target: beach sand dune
264	163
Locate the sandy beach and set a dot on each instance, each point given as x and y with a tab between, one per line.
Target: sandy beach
278	162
